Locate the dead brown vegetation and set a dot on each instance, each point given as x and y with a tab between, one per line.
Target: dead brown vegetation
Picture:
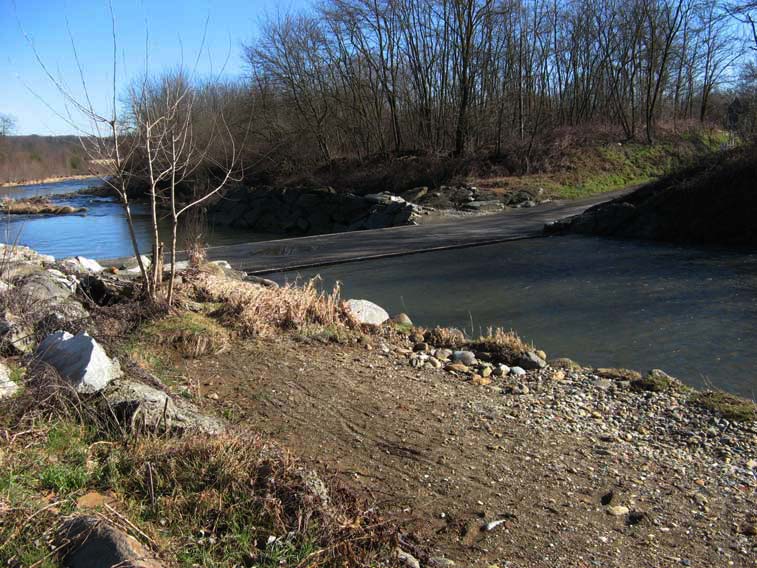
256	310
37	206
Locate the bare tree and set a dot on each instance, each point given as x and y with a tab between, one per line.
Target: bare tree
7	125
166	114
155	137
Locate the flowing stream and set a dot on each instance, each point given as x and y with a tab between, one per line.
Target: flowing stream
609	303
691	311
101	232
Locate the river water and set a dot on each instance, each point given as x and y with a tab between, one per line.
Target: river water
101	232
609	303
691	311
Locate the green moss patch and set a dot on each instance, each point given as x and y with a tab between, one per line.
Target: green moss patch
727	405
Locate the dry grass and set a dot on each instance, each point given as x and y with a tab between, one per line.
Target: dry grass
190	334
504	345
37	206
448	337
256	310
238	501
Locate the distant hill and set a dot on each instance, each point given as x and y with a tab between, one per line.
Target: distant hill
712	202
24	158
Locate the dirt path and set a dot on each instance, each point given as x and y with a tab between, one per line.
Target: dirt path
448	457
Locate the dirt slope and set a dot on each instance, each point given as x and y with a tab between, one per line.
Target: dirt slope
448	457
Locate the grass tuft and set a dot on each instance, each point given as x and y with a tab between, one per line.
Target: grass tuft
448	337
658	381
191	334
504	345
236	501
260	311
727	405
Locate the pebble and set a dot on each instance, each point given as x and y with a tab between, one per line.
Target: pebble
439	562
490	526
618	510
501	370
481	381
407	559
457	368
517	371
443	354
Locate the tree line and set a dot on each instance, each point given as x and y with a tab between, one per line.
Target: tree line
365	77
24	158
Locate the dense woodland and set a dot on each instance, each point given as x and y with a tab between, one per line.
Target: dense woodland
39	157
359	77
356	81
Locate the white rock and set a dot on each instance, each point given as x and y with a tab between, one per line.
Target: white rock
501	370
82	264
367	312
407	559
80	360
7	387
131	266
517	371
180	265
490	526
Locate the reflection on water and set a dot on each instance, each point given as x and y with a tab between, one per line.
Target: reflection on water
102	232
690	311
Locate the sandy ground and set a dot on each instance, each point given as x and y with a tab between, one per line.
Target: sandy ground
446	457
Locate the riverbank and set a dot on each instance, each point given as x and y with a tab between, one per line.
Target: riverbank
710	202
54	179
470	452
37	206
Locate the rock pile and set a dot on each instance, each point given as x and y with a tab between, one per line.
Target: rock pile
310	211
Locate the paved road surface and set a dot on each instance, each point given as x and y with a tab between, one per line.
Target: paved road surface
320	250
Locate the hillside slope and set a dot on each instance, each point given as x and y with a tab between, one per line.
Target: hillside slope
712	202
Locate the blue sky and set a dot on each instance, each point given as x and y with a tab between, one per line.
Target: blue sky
175	30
